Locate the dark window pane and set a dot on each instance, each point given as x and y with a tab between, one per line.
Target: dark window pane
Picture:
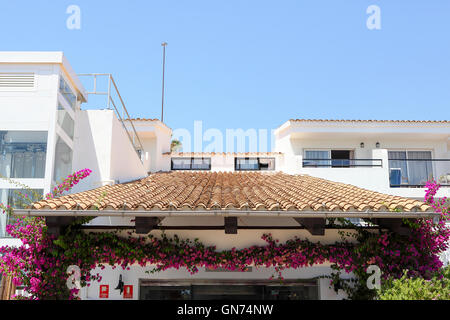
292	292
221	291
227	292
165	293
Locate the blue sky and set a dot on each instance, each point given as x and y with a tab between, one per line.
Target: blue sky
252	64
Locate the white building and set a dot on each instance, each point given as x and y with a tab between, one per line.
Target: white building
45	134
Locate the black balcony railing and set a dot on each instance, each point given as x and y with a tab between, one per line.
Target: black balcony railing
414	173
341	163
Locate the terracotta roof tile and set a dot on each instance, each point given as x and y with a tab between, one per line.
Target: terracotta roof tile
232	190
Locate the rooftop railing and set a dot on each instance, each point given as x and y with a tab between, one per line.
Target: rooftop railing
342	163
113	101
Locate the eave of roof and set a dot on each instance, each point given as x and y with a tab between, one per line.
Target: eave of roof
148	120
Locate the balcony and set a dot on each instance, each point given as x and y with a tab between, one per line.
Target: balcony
377	170
414	173
342	163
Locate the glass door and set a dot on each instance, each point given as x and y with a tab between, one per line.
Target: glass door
420	169
413	168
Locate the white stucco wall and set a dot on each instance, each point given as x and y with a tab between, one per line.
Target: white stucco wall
222	241
293	140
101	144
32	109
125	162
155	138
137	273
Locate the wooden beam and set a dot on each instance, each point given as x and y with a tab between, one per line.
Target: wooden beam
146	224
395	225
231	225
7	287
315	226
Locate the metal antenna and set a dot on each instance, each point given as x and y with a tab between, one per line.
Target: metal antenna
164	44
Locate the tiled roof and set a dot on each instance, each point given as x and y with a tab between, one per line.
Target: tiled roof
208	154
195	190
369	121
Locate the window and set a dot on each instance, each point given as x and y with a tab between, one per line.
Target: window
63	160
191	164
313	158
17	198
244	164
340	158
67	92
410	167
23	153
65	121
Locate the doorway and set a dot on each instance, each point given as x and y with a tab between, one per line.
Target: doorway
211	290
340	158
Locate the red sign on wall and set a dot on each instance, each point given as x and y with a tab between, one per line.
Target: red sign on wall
104	291
128	292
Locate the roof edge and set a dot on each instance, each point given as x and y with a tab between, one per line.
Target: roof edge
224	213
